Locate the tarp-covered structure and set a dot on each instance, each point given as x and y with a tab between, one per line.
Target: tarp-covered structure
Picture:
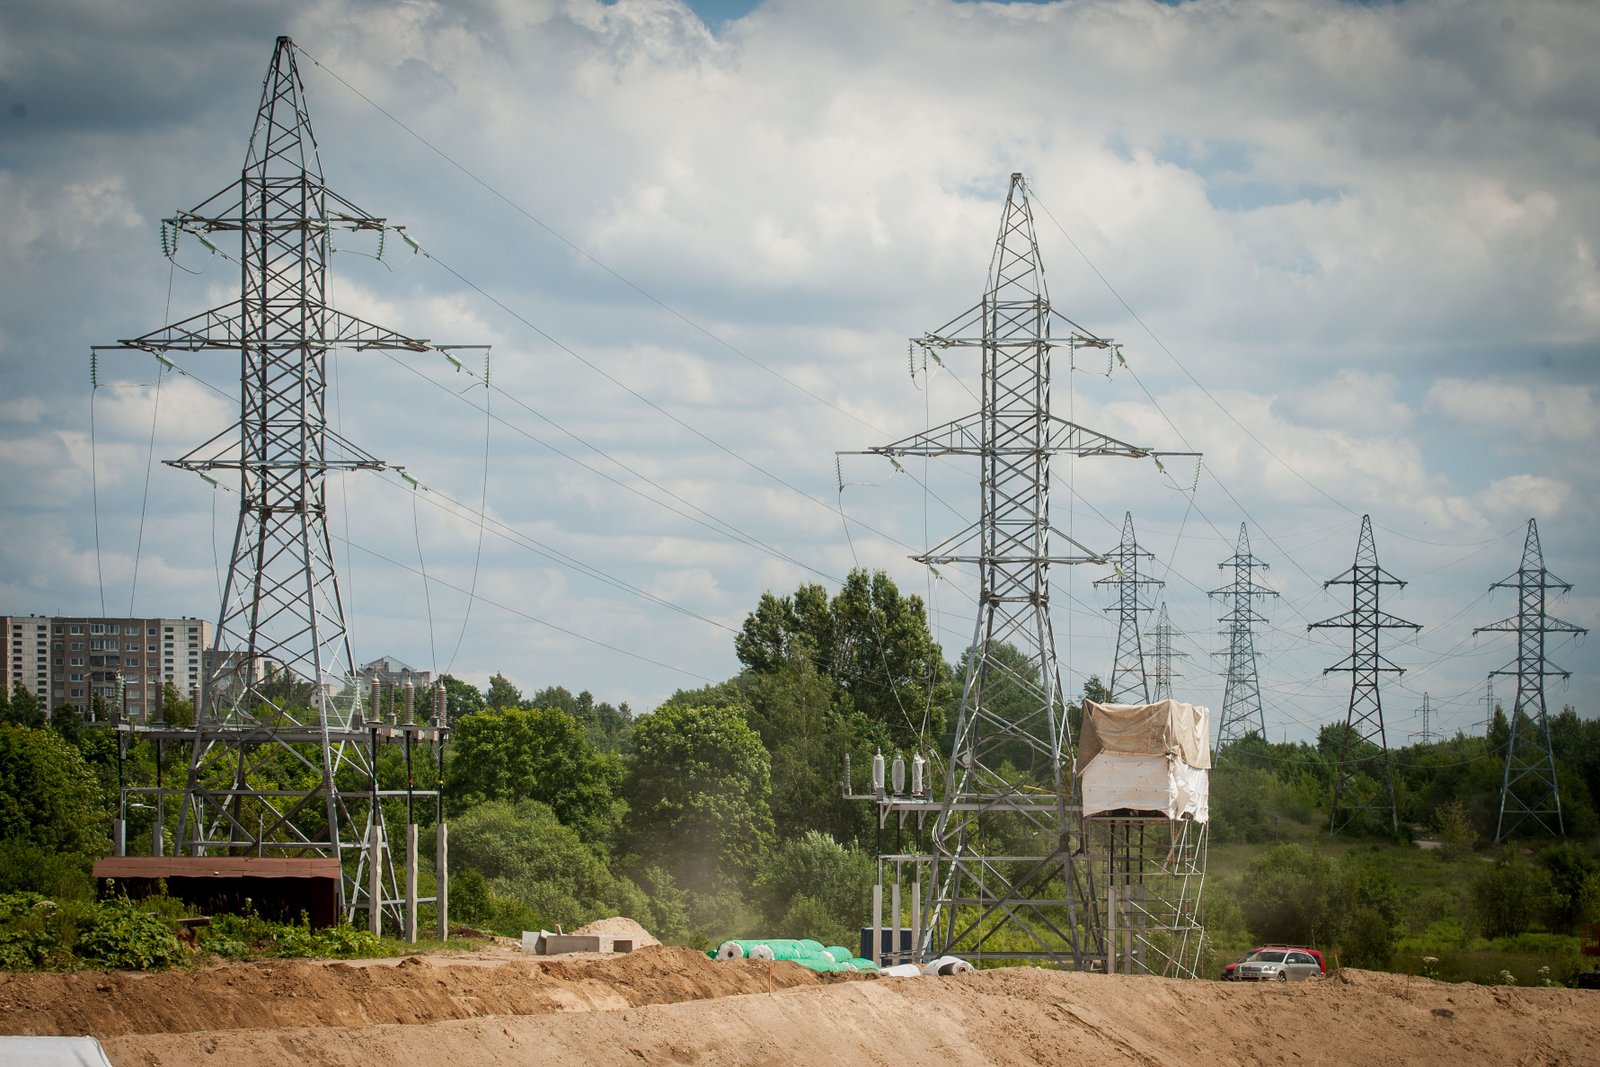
1146	759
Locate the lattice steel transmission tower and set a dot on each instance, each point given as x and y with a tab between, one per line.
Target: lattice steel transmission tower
1241	696
1363	745
1162	672
1128	684
1528	787
1010	777
279	683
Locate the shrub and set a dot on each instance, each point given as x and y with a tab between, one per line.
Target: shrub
126	937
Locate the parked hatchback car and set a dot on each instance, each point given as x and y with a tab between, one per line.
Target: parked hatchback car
1278	965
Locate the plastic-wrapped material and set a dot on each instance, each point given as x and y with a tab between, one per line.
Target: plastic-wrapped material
1160	784
760	952
730	950
865	966
838	954
947	965
902	970
1169	727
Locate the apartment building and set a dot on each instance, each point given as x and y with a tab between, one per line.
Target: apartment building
71	660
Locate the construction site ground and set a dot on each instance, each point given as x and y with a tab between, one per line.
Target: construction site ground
670	1004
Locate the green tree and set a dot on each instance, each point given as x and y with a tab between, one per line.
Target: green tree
48	794
1509	895
501	693
22	709
871	642
1290	896
1370	902
527	855
176	709
461	698
699	788
814	884
535	754
1574	888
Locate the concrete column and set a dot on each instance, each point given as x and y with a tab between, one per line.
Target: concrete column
894	916
441	867
411	883
375	879
877	921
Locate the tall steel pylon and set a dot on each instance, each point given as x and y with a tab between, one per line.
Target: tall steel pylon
1528	787
1363	725
1128	684
1004	878
1241	696
279	685
1162	672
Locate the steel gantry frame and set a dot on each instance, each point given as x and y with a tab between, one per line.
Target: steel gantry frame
1004	877
280	683
1358	751
1128	683
1241	696
1528	787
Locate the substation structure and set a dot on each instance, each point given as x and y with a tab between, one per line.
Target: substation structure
280	700
1004	866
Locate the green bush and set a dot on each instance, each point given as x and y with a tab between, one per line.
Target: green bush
128	938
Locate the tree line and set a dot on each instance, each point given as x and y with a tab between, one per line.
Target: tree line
721	812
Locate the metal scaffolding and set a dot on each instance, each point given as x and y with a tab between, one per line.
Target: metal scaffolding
1529	789
1154	873
1363	746
280	687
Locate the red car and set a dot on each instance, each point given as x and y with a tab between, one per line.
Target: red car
1229	970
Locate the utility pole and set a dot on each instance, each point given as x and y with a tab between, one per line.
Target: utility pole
279	683
1010	777
1363	724
1128	683
1241	696
1528	787
1164	654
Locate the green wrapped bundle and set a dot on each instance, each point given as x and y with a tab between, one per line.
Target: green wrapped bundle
838	953
864	965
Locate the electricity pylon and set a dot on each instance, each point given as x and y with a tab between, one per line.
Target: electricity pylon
1162	673
1528	787
1010	777
1363	724
1128	684
279	684
1241	696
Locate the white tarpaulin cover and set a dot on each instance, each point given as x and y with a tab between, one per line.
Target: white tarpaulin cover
1164	784
53	1052
1168	727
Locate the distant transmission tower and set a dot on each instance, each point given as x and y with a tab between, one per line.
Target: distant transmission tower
1162	673
1004	876
280	688
1528	788
1128	684
1241	696
1426	710
1363	745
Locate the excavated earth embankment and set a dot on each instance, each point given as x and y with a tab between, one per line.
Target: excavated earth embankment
664	1004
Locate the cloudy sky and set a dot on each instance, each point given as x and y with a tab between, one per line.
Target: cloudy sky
1350	251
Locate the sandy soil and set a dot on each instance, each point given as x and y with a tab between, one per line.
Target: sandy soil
673	1005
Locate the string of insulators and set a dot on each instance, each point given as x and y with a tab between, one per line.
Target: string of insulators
486	370
169	246
838	473
94	369
383	231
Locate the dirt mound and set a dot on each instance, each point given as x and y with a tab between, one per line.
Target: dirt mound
619	926
415	989
662	1004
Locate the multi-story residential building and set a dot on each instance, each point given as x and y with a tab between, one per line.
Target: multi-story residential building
125	662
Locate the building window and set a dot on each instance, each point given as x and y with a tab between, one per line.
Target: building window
58	630
77	646
75	676
151	632
76	630
77	693
75	661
